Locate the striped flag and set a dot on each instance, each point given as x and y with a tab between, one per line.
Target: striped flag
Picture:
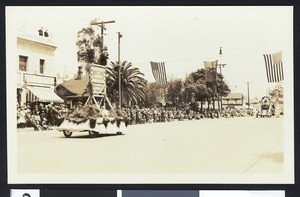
210	71
159	72
274	67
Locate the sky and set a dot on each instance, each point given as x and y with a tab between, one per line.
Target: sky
182	37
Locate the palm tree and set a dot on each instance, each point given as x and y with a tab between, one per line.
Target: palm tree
133	84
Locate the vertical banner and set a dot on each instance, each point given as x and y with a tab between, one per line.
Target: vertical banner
210	71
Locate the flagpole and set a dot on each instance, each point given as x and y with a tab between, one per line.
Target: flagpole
120	85
248	90
221	66
165	87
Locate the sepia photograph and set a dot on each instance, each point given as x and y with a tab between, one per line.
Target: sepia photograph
149	94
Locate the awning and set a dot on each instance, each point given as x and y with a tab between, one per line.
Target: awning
42	94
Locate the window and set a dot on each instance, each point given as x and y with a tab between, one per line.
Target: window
23	63
42	63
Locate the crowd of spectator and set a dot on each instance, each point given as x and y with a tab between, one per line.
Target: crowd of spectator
152	115
41	116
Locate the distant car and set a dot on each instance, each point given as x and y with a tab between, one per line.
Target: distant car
265	107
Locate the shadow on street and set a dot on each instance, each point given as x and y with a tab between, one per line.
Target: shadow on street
89	137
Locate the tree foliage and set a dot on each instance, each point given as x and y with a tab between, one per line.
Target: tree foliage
194	88
133	84
175	90
154	94
195	84
89	47
277	92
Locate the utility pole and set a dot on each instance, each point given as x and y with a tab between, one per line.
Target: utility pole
248	93
119	62
102	26
221	66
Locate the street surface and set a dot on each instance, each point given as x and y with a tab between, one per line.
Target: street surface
234	145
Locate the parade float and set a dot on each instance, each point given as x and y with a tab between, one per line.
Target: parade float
97	115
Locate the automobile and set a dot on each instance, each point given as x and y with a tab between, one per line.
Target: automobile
94	126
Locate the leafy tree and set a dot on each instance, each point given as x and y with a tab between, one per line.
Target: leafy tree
175	92
133	84
89	48
222	87
277	92
154	94
195	86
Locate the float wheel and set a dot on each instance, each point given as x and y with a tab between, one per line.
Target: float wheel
67	133
93	134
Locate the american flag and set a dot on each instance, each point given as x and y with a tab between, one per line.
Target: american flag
274	67
159	72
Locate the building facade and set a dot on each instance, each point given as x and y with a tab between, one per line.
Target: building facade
233	100
35	75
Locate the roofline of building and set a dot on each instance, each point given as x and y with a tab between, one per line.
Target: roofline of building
37	40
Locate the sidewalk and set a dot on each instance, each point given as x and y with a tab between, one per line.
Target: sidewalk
28	129
25	129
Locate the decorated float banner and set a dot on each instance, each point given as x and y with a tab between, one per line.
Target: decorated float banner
98	78
210	71
274	67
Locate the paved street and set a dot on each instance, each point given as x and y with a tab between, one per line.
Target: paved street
235	145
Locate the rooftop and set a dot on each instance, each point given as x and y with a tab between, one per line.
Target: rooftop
36	39
232	95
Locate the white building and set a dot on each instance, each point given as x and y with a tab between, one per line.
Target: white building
35	75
